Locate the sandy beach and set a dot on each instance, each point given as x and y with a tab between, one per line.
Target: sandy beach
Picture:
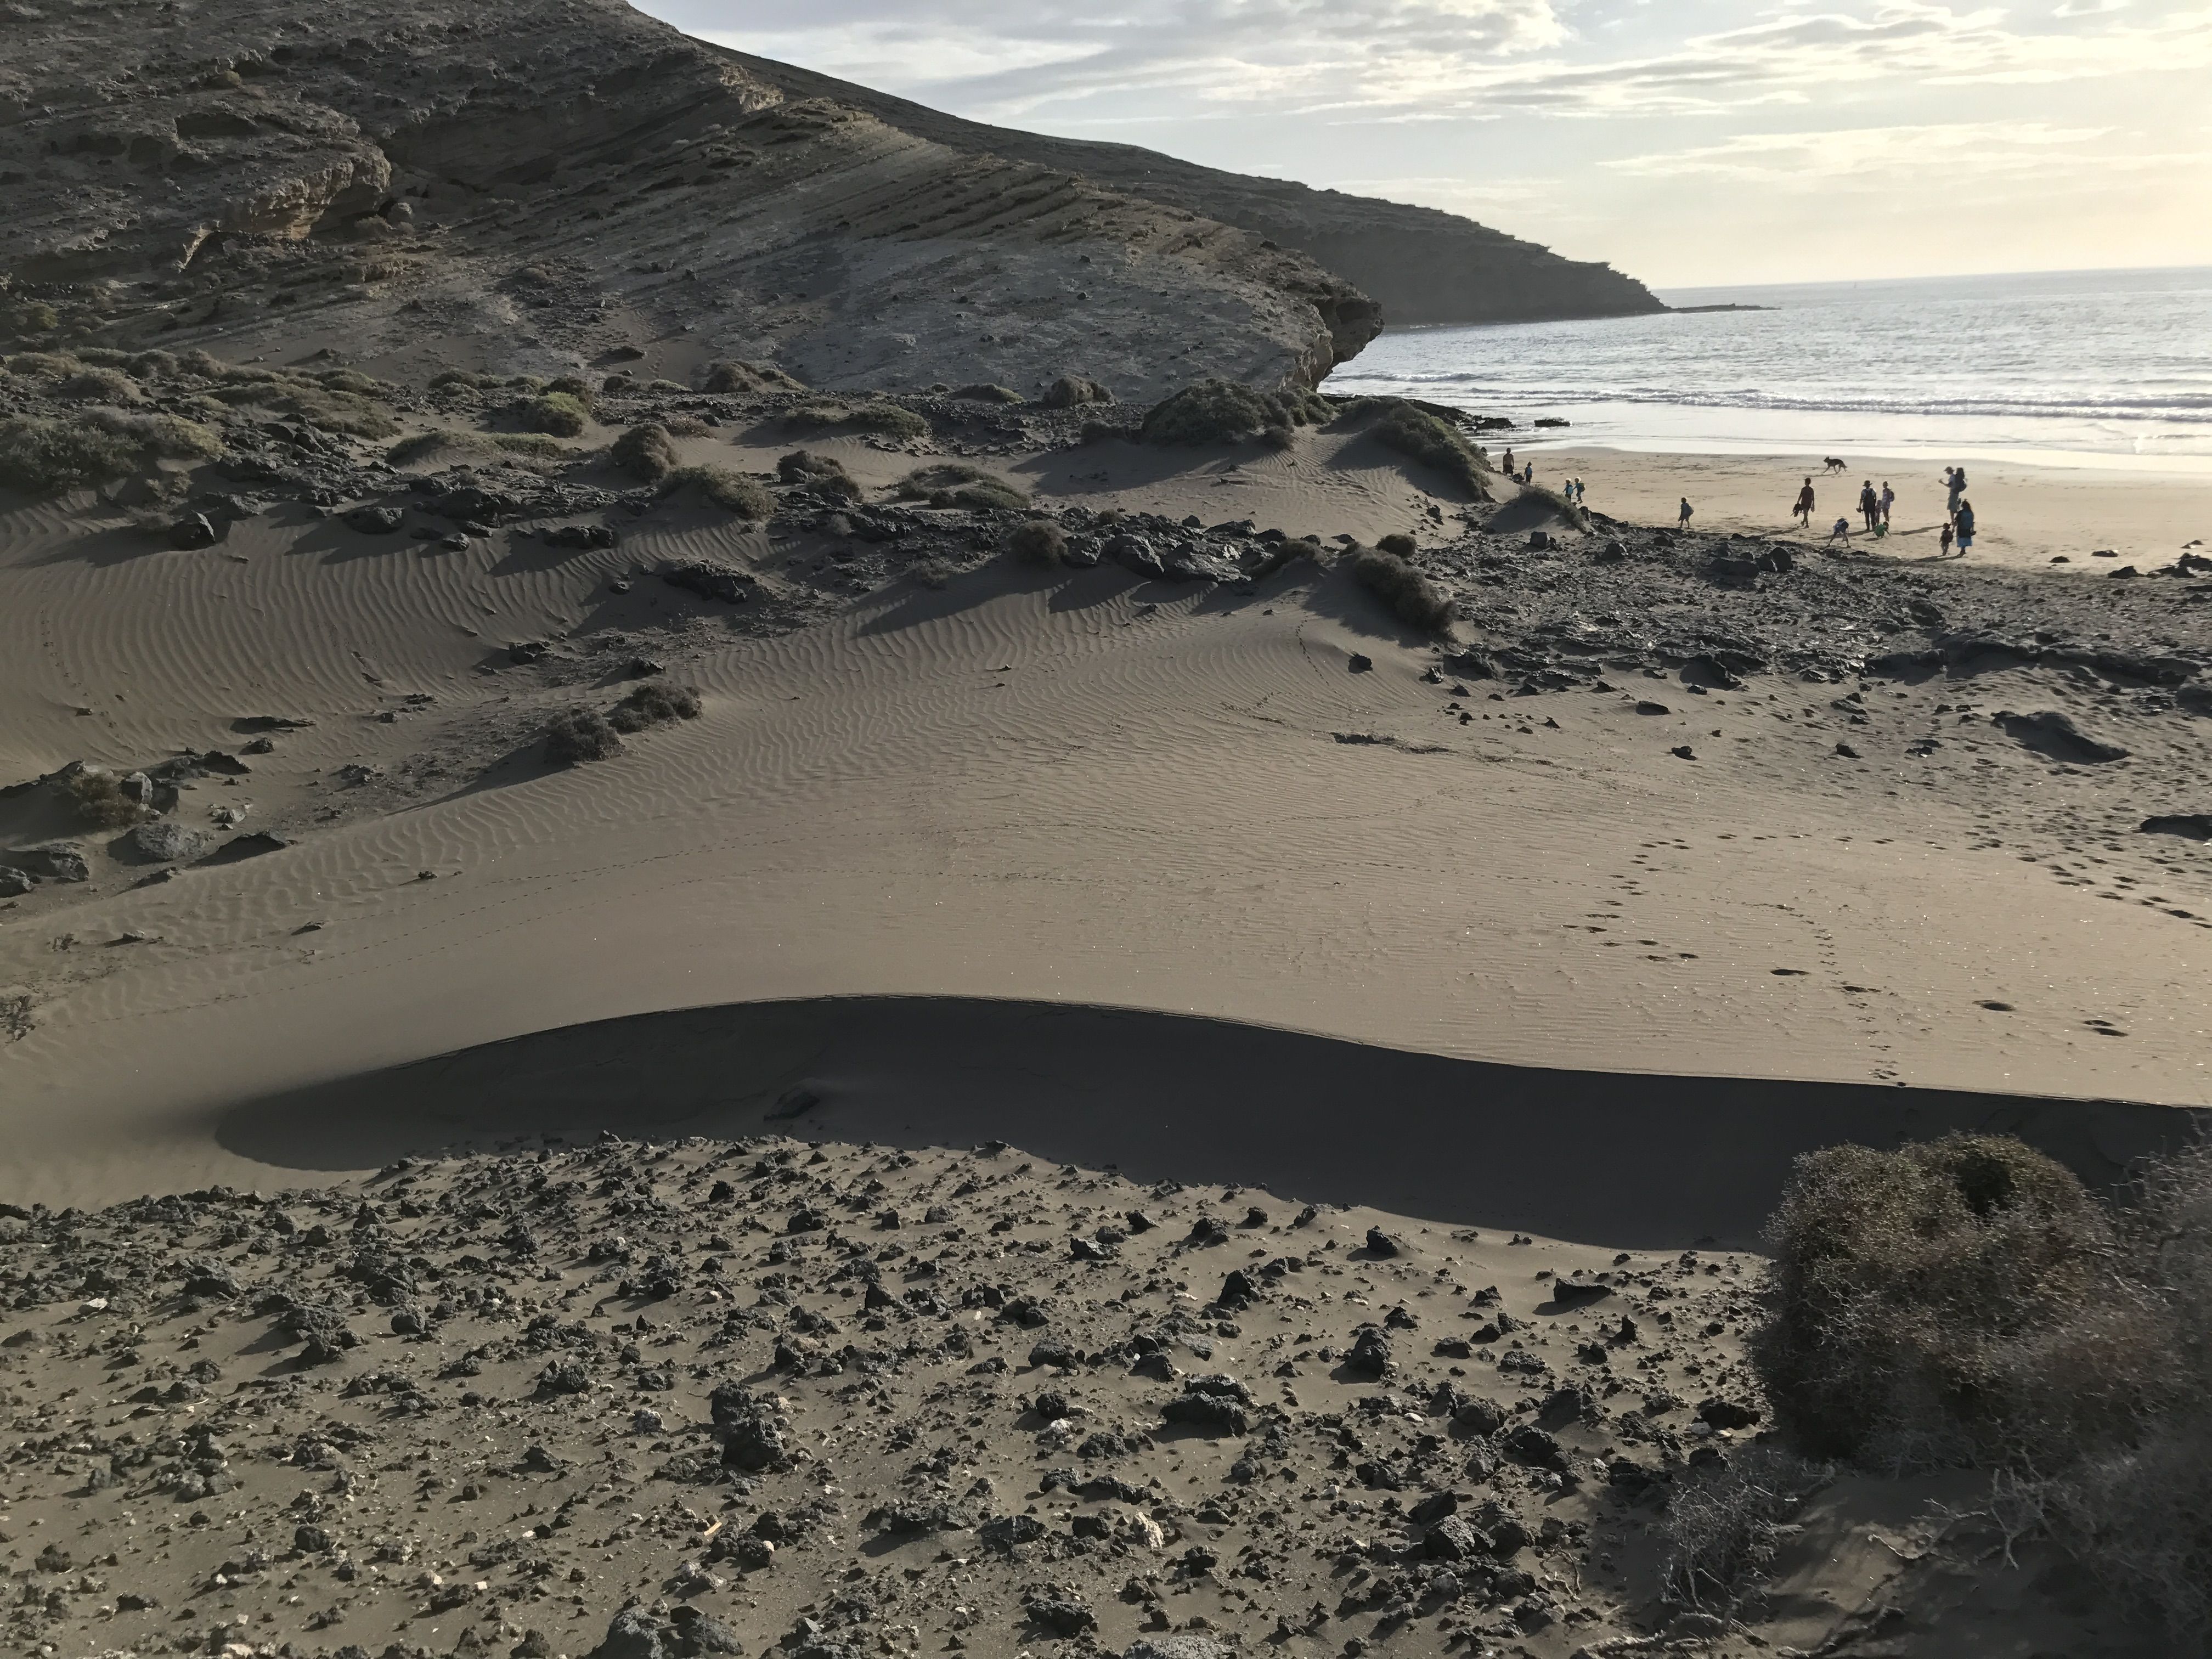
2085	521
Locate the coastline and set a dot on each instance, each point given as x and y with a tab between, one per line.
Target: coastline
2029	514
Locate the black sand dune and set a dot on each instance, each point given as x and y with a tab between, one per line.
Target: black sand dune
1632	1161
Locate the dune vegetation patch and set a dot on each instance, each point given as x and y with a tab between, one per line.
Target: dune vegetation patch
645	451
876	418
826	473
1037	541
956	483
1416	601
747	498
1426	438
1225	412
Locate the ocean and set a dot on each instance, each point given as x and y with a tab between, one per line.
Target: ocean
2107	370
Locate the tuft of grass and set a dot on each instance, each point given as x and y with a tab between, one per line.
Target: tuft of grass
1224	412
1398	543
747	497
645	451
654	703
983	393
99	802
169	436
23	316
955	483
1037	541
886	420
99	386
558	414
577	735
1072	391
43	365
1421	435
44	456
414	447
1419	602
824	472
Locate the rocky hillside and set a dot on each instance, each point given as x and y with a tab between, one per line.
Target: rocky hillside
545	185
1421	266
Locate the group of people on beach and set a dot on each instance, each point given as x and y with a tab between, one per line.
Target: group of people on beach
1876	505
1571	490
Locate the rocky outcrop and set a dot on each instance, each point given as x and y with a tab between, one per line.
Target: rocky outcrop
543	185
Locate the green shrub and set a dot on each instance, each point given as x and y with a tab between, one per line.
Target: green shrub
733	491
169	436
885	419
1037	541
99	802
555	413
653	704
43	365
1419	602
21	317
1954	1301
955	483
823	472
448	379
43	456
647	452
1425	439
1279	436
1398	543
577	735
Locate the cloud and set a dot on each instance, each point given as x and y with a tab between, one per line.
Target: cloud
1859	153
1072	63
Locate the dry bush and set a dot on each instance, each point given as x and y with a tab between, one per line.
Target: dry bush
1072	391
17	1022
99	386
1419	602
1954	1301
577	735
1399	543
167	435
653	704
1037	541
731	491
1279	436
984	393
936	573
955	483
824	472
98	799
886	420
1721	1526
647	452
1426	439
742	377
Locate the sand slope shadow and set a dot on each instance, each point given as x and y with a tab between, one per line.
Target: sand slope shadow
1642	1161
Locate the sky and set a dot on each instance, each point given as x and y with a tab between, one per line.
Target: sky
1690	143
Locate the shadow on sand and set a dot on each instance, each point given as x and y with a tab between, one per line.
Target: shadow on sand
1646	1162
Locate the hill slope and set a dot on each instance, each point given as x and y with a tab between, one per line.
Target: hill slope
1421	264
553	183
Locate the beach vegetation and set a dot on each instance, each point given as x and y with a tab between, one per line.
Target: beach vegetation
823	472
1225	411
578	735
558	414
654	703
1417	601
1725	1524
645	451
97	798
879	417
747	498
956	483
1426	438
983	393
1037	541
41	457
745	377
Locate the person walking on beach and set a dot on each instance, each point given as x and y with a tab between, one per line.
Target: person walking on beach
1965	525
1869	504
1805	505
1954	481
1888	500
1510	470
1684	520
1946	538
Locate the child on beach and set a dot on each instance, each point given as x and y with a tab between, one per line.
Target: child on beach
1946	539
1804	508
1840	531
1685	520
1888	500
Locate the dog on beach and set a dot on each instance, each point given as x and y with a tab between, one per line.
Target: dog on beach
1833	465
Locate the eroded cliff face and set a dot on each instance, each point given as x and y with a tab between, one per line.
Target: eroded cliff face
542	184
1419	265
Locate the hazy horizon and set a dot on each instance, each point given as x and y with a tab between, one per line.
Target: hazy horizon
1705	143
